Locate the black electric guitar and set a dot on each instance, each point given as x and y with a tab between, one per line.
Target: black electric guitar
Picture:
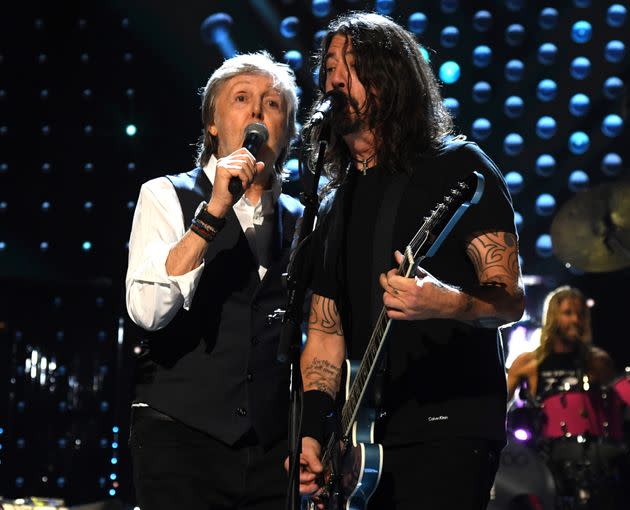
352	463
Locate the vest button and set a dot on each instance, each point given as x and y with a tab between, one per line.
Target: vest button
254	340
241	411
250	377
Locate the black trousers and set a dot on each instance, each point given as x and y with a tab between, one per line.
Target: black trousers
175	466
449	474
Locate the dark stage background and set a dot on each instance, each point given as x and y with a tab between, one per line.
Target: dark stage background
76	76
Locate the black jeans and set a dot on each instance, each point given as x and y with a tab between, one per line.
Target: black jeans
449	474
175	466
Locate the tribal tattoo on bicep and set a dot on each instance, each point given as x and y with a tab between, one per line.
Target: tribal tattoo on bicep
495	258
324	316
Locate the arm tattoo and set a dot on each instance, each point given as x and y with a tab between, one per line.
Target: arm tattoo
322	375
324	316
495	258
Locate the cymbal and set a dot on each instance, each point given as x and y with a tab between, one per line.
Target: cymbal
591	231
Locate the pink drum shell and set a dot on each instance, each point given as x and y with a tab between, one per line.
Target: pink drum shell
622	388
584	413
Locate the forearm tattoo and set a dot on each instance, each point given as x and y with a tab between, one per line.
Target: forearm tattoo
322	375
324	316
495	258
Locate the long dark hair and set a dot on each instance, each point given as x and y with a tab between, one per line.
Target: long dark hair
403	105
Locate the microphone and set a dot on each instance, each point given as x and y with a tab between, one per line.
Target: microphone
329	102
254	136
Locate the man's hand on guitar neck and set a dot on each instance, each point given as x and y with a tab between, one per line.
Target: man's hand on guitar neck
422	297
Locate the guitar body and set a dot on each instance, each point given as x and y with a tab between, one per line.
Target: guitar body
362	461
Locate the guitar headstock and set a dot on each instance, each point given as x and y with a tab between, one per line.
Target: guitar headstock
436	224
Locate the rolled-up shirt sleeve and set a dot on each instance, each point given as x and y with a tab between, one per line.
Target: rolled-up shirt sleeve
153	297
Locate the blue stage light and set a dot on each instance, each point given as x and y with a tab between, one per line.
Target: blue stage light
425	54
481	129
112	492
548	18
613	87
544	246
215	30
482	56
115	429
545	165
579	105
87	246
547	53
546	90
546	127
318	37
114	460
515	34
131	130
289	27
614	52
45	206
515	5
579	142
452	105
481	92
449	36
292	170
294	59
513	107
514	181
578	180
616	15
482	21
514	70
612	125
417	23
581	32
518	221
320	8
580	68
612	164
449	72
385	6
113	476
513	144
3	206
449	6
582	3
43	246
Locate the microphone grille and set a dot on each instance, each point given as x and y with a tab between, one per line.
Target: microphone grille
257	128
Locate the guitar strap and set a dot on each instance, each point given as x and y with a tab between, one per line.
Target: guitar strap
383	261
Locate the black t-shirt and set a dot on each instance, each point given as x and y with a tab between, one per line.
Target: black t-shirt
445	378
558	372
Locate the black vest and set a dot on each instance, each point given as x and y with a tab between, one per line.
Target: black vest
214	367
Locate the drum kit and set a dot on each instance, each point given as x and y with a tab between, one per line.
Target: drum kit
569	449
565	451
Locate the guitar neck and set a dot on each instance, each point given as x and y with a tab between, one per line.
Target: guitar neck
371	357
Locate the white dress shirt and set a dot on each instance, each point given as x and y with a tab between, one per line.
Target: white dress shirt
153	297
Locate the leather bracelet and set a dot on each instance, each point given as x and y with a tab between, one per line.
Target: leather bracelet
209	219
317	407
206	232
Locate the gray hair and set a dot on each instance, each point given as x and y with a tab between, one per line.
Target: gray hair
249	63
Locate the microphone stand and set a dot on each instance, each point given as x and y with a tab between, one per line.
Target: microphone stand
290	346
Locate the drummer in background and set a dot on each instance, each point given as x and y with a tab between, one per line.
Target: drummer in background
566	353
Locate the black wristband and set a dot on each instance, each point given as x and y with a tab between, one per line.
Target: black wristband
317	406
209	219
204	231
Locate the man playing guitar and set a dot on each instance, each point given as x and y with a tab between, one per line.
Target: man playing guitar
441	434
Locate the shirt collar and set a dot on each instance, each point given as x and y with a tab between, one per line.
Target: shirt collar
269	196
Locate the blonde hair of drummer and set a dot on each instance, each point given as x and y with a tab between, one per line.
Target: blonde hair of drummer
551	309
